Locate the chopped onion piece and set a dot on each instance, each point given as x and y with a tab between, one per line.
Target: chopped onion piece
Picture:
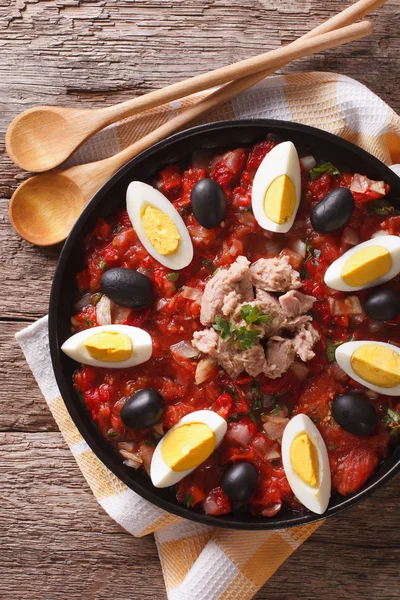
131	456
273	452
338	372
349	238
103	311
184	349
273	247
371	394
132	463
271	511
274	427
120	313
191	293
84	301
308	162
204	370
239	433
349	306
129	446
298	246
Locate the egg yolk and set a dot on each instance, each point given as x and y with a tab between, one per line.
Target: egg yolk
160	230
109	346
304	459
188	446
366	265
280	199
377	364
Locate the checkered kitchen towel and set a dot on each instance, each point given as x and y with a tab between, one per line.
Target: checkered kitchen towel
199	562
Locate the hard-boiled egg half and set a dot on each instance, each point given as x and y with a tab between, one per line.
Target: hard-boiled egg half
159	226
373	364
276	191
110	346
371	263
185	446
306	463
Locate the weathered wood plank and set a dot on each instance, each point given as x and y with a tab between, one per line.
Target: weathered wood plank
55	540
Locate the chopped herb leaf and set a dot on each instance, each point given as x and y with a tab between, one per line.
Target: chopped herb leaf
331	447
331	347
309	251
234	417
251	314
111	433
173	276
149	442
118	229
395	433
275	462
327	167
394	415
246	338
188	500
252	417
256	404
207	262
277	409
232	391
381	207
88	322
95	299
223	327
103	265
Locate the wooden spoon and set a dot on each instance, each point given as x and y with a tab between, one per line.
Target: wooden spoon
42	138
44	208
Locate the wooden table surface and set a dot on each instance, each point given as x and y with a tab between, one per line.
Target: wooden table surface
55	540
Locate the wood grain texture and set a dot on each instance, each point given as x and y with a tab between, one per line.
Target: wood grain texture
55	541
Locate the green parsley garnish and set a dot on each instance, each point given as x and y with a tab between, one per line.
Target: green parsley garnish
309	251
394	415
111	433
381	207
246	338
188	500
103	265
331	447
207	262
224	328
149	442
173	276
331	347
118	229
251	314
88	322
326	167
95	298
252	417
277	409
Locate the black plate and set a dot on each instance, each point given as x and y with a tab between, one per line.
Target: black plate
229	134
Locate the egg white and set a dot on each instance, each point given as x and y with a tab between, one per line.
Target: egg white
315	499
161	474
140	195
343	355
141	343
281	160
333	275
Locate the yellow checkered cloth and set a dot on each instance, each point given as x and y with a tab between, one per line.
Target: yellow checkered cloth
200	562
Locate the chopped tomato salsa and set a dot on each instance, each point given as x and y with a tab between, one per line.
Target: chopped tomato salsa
248	402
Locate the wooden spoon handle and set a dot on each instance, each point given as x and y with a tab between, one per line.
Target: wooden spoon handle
273	59
91	176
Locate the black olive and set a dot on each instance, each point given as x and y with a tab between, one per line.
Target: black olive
334	211
208	203
144	409
354	413
382	305
239	481
127	287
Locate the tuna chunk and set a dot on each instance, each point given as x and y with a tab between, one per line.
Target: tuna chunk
280	356
205	341
234	361
304	341
232	286
295	303
274	275
269	305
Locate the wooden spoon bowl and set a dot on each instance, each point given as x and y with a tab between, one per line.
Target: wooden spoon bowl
44	208
44	137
